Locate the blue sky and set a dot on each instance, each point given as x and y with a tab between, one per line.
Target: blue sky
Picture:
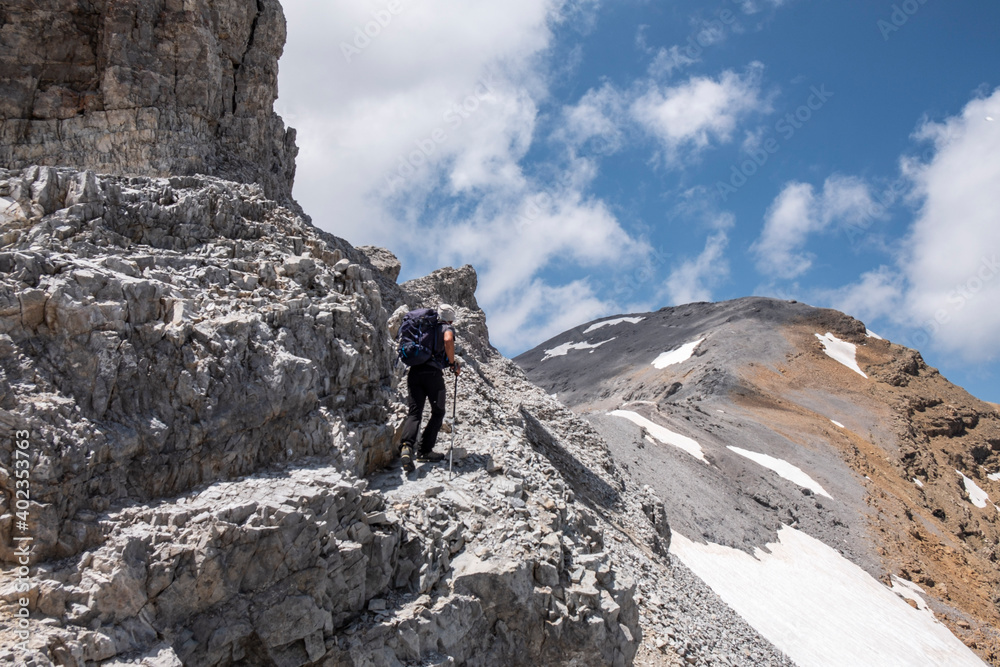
592	158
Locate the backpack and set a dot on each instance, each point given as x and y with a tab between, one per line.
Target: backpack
417	337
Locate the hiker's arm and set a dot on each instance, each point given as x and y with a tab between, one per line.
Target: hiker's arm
449	348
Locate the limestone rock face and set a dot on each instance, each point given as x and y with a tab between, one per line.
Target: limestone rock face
162	88
186	326
207	386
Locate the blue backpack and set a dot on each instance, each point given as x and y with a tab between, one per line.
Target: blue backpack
417	337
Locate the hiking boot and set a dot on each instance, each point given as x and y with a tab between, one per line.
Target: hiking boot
406	456
433	457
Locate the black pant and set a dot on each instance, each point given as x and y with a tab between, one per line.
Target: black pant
424	382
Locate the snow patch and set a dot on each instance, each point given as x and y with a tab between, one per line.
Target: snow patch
977	496
562	350
681	354
784	469
911	591
872	334
994	477
663	434
842	351
610	323
819	608
838	424
918	482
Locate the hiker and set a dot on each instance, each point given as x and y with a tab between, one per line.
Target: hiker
426	381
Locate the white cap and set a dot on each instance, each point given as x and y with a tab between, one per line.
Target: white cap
446	313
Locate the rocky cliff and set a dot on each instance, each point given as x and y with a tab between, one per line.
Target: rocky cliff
161	88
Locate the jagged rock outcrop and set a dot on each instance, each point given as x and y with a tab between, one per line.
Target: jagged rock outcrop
163	88
185	325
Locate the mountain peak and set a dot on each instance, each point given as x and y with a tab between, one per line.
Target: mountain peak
757	415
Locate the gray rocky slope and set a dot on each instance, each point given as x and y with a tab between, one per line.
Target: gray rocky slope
212	413
695	398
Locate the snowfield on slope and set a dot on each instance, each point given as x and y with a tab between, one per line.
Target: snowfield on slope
681	354
785	469
562	350
977	496
842	351
663	434
821	609
609	323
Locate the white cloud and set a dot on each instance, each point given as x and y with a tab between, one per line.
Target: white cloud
668	60
787	224
945	285
798	212
689	117
596	116
640	39
952	253
412	138
511	248
877	293
846	201
694	279
462	72
539	311
754	6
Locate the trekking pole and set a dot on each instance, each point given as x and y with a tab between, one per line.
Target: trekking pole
454	409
